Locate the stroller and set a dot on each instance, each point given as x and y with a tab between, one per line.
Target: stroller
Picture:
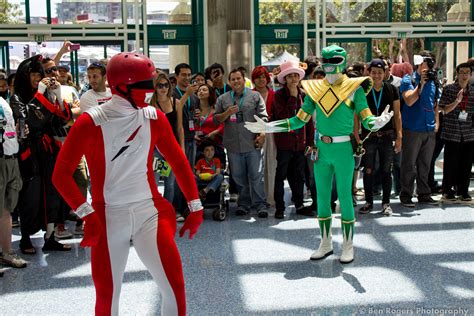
215	200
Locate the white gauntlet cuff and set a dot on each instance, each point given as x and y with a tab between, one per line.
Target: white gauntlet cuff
42	87
195	205
84	210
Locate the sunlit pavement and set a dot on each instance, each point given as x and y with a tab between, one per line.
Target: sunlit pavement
418	261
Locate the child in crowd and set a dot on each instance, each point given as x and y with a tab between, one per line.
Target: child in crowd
208	171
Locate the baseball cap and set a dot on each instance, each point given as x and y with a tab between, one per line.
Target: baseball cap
377	63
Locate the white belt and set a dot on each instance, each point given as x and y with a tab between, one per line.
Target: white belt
334	139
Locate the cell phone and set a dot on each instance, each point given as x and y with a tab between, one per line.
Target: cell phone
75	46
22	125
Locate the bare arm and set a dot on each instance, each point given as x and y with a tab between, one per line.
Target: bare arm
179	110
64	49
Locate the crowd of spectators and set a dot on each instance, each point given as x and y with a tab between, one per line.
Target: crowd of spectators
207	111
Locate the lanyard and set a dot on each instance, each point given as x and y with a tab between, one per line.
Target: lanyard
225	90
189	98
203	119
377	103
232	94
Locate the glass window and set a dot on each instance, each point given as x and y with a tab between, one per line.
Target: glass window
166	57
356	11
131	12
169	12
12	12
38	14
356	52
448	55
399	10
86	11
274	55
437	11
280	11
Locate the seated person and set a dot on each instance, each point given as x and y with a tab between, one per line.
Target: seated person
208	171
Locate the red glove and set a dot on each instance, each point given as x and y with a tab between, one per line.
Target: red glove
192	223
93	230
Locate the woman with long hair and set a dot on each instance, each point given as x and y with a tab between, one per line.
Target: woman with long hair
39	203
164	101
207	128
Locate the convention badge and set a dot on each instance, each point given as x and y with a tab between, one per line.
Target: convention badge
199	133
463	116
233	118
191	125
240	117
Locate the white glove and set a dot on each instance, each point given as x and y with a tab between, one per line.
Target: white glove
271	127
380	121
42	87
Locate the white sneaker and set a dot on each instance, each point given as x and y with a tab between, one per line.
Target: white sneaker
12	260
386	209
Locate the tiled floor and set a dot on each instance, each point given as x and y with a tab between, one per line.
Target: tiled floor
419	261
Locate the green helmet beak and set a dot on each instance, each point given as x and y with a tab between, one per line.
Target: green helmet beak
334	59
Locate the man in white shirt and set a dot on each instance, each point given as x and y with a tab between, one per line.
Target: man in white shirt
99	93
10	184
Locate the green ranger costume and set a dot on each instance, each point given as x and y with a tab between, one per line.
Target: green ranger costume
334	99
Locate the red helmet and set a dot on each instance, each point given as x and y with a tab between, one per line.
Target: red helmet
127	68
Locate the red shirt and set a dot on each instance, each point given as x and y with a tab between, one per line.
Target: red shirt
269	102
204	166
208	124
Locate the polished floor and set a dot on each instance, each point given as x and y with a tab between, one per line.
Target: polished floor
418	261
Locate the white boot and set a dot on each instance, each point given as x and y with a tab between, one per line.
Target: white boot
347	255
325	247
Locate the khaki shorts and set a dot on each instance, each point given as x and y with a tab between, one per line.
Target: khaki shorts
10	184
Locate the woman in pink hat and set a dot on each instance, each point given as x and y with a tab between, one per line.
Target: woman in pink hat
290	146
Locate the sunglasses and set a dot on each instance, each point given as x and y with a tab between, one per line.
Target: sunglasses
162	85
333	60
51	70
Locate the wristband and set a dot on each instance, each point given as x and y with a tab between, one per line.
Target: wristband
84	210
195	205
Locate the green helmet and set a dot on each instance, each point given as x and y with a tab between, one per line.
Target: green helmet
334	59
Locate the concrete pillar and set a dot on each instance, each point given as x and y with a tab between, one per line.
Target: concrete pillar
179	53
217	32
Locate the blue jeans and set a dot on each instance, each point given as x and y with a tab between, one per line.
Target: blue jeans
247	171
212	185
179	201
169	181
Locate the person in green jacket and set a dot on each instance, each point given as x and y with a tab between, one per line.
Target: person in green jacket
334	99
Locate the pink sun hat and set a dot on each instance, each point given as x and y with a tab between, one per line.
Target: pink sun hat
291	67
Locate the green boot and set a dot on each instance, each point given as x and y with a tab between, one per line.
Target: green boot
347	255
325	247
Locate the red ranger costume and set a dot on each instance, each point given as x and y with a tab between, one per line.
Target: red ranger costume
117	139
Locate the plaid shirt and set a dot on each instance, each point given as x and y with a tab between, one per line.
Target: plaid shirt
453	128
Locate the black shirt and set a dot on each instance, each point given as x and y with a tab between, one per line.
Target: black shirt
188	112
389	95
